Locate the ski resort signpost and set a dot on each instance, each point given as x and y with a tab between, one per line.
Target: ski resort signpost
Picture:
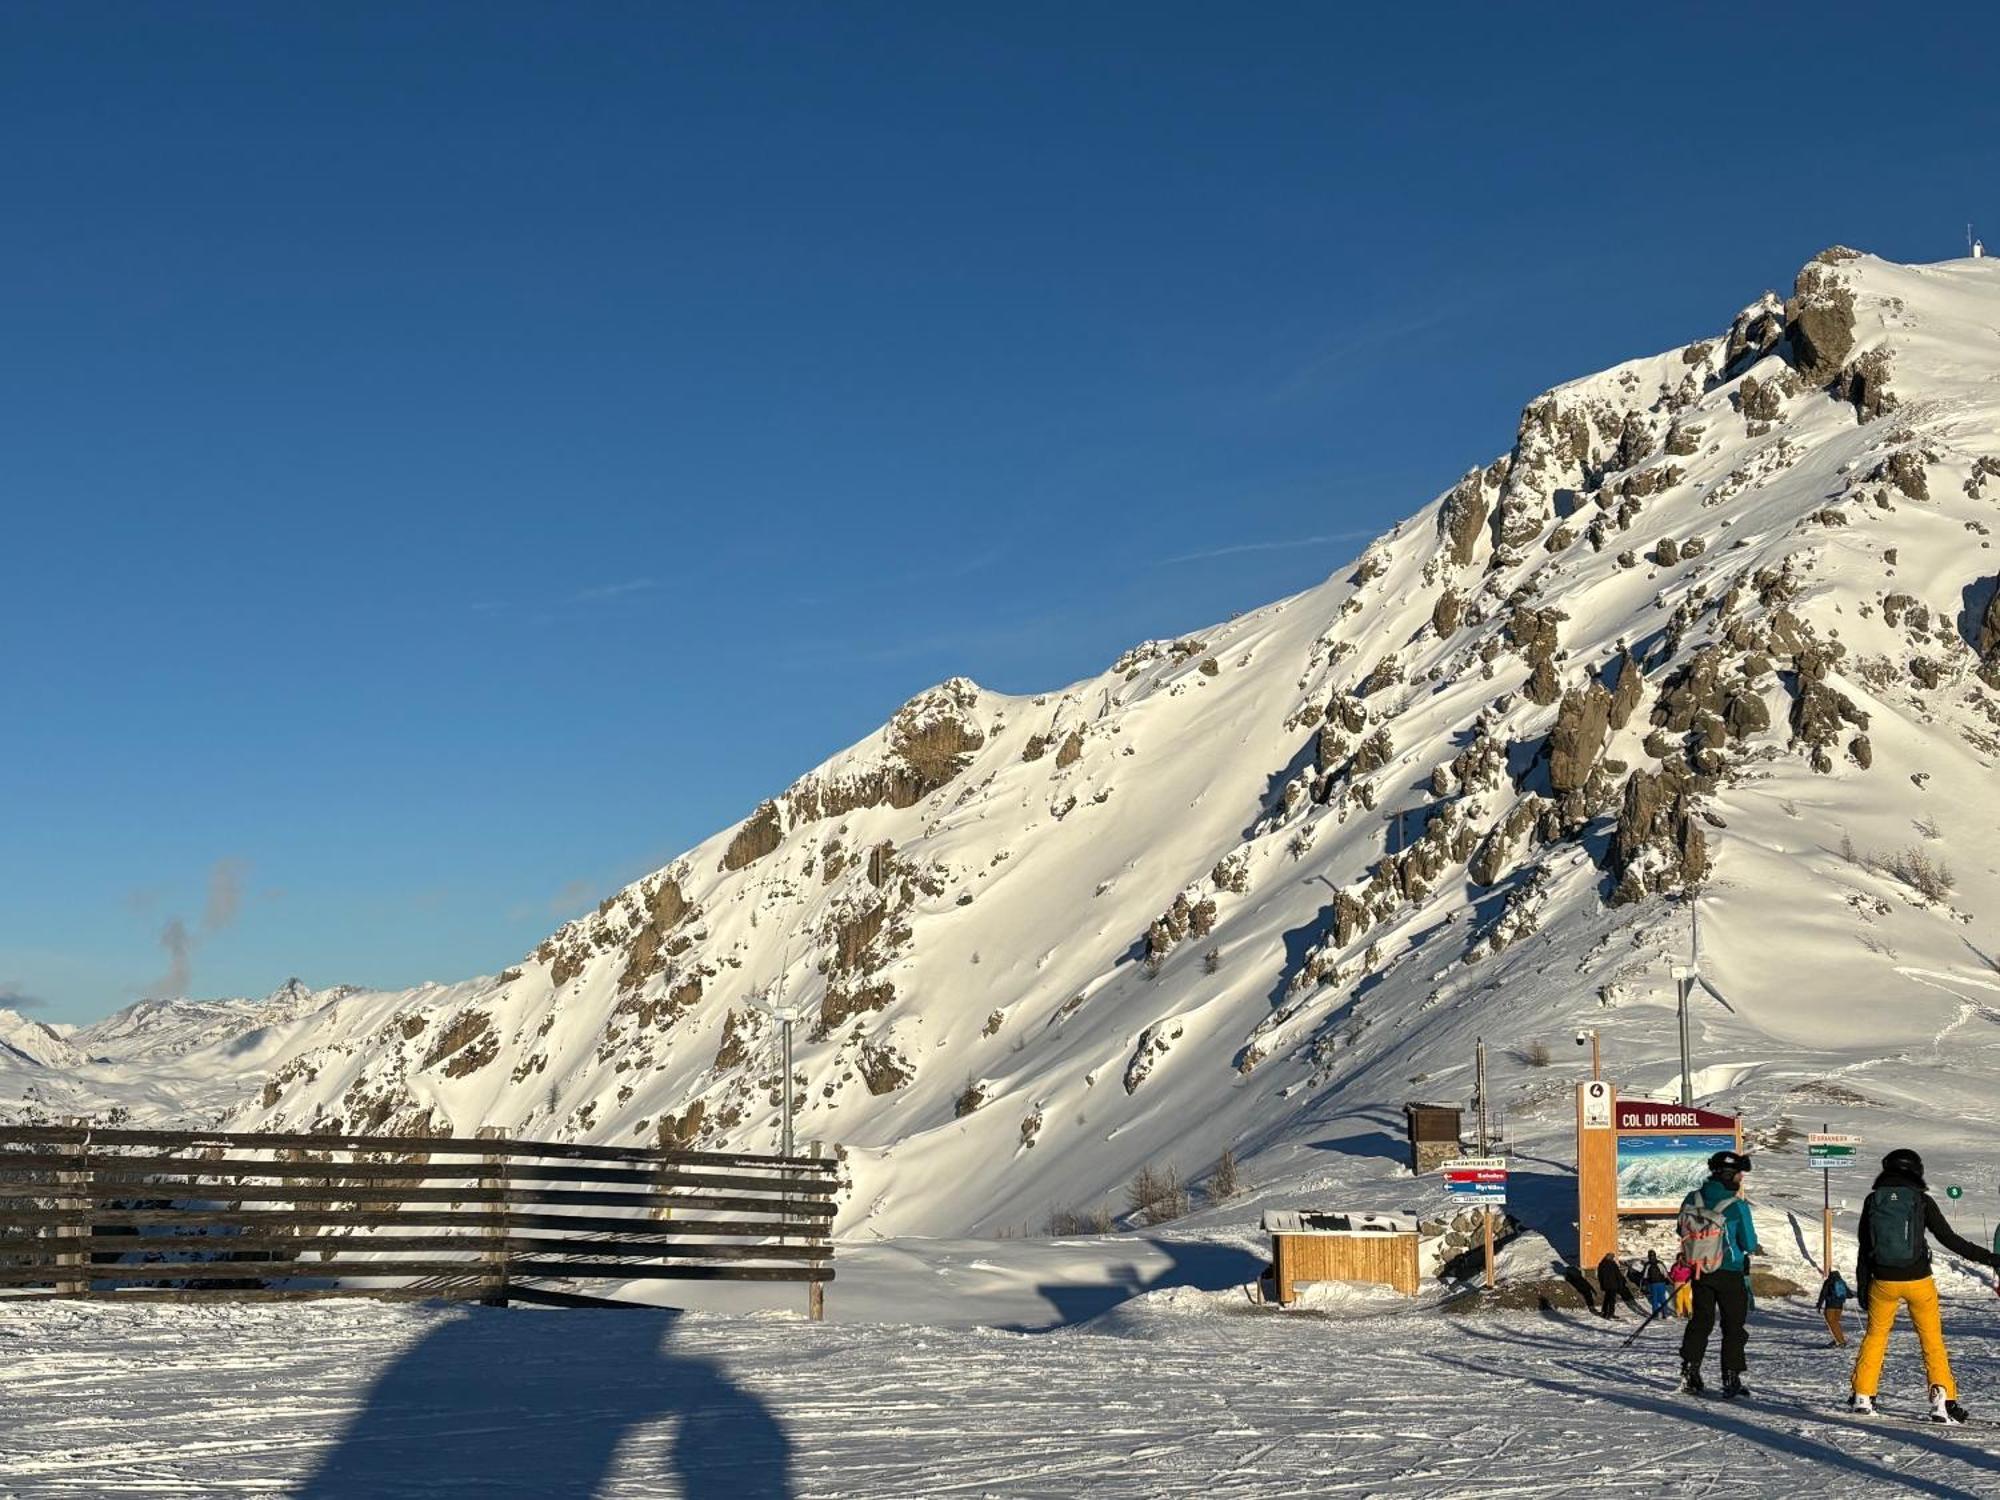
1638	1157
1483	1180
1830	1153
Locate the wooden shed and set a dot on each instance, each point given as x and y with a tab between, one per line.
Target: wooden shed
1434	1132
1379	1249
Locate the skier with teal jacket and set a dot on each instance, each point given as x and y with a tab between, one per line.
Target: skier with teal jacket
1718	1238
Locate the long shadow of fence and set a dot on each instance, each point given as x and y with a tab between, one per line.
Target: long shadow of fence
498	1403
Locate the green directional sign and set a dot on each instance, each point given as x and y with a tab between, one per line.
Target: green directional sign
1954	1191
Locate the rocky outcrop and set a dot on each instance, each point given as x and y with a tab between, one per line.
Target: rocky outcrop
1658	845
1865	384
1820	710
1154	1044
1819	318
1499	850
1582	722
1462	516
1988	641
1629	691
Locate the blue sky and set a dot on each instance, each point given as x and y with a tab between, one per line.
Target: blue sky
457	456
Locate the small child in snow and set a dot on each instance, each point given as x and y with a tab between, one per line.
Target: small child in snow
1833	1296
1653	1277
1681	1277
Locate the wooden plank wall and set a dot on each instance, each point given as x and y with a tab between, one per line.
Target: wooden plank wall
1382	1259
189	1213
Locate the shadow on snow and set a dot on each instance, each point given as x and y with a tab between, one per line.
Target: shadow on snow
495	1402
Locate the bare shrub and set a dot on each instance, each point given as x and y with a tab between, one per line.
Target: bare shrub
1222	1184
1063	1221
1211	961
1100	1219
1156	1195
1918	870
1930	828
1847	850
1535	1054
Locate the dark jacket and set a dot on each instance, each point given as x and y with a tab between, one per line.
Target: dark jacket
1833	1292
1610	1275
1653	1273
1867	1268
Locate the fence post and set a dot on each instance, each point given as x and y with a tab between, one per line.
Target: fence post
816	1290
73	1274
493	1177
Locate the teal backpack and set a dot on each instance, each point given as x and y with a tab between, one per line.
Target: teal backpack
1896	1225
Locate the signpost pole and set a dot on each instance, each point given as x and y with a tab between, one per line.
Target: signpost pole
1826	1213
1489	1247
1479	1072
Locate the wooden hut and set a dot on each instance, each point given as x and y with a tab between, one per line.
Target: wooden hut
1378	1249
1433	1135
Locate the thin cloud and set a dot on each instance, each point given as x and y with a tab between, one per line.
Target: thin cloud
13	997
603	591
565	901
1325	539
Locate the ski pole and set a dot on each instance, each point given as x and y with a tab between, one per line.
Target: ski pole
1641	1328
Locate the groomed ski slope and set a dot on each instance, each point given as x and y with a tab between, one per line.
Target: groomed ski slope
1176	1392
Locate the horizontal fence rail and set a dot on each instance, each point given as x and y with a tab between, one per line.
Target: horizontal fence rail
165	1213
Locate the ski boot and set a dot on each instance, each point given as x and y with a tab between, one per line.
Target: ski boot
1945	1410
1691	1382
1732	1385
1862	1406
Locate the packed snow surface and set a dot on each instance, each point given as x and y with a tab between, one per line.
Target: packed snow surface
1179	1392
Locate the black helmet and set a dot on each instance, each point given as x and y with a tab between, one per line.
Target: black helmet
1728	1161
1904	1161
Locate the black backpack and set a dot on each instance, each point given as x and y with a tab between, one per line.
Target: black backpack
1896	1225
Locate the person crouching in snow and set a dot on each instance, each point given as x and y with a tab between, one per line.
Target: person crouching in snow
1833	1295
1893	1270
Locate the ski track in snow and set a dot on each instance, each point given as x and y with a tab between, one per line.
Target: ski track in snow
405	1401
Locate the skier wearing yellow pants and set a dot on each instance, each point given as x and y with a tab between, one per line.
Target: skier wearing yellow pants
1894	1271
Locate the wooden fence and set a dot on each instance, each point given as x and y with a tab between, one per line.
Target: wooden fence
184	1214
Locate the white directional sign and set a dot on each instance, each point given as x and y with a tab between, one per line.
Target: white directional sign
1832	1153
1480	1178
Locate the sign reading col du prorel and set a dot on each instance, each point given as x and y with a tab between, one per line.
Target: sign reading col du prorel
1651	1114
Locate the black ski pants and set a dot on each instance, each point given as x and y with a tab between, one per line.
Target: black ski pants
1725	1294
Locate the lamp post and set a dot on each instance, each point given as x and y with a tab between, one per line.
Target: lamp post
786	1013
1684	978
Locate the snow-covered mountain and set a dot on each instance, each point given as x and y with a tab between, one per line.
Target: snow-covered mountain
153	1030
35	1043
160	1060
1723	622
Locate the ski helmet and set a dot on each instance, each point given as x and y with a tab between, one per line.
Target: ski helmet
1905	1161
1728	1161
